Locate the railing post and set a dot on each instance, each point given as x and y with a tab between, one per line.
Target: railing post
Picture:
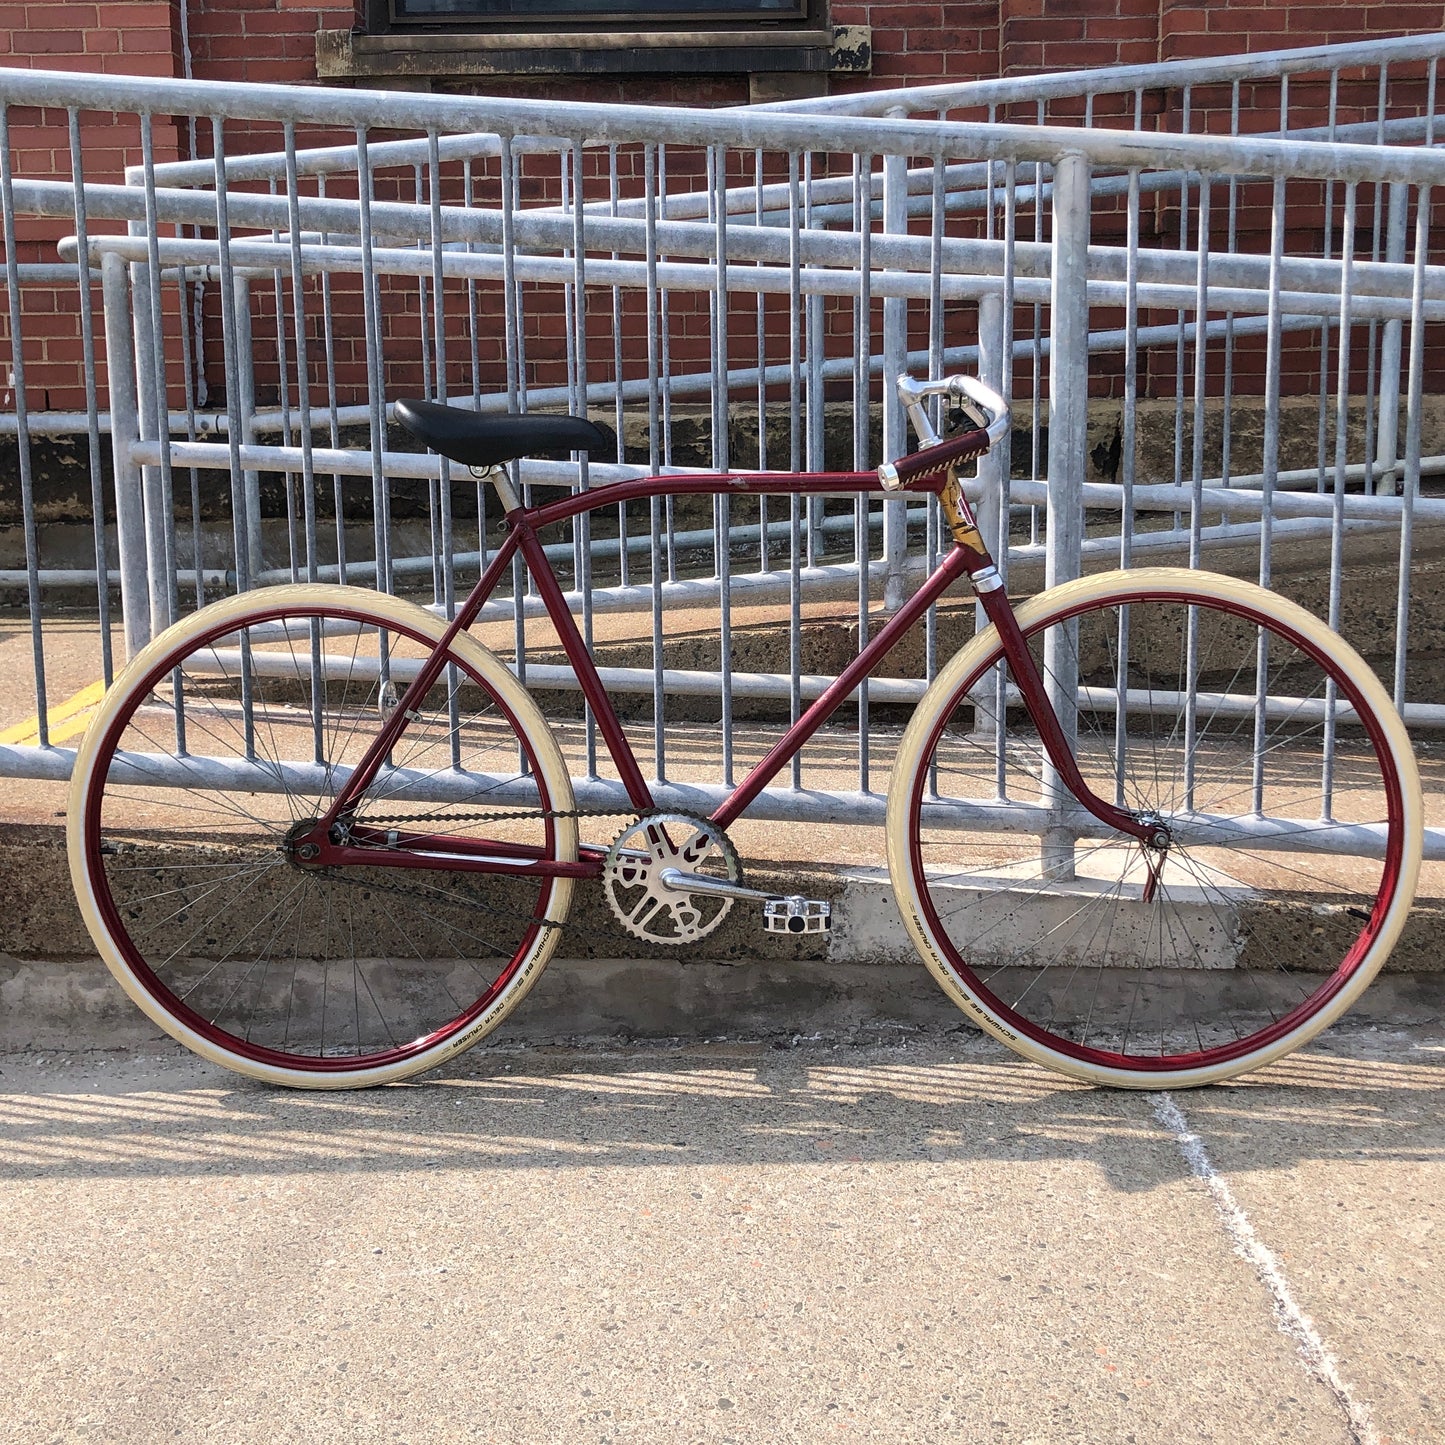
1387	438
895	361
245	384
152	423
1068	436
124	432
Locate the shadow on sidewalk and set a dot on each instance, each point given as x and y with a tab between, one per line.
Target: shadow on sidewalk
945	1099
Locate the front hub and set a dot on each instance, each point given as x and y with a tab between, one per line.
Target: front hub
1156	847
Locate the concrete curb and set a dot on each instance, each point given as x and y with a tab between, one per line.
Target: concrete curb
74	1004
55	994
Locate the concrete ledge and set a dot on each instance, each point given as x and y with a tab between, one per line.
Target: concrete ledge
74	1004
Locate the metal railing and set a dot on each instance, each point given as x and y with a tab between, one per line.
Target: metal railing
1214	343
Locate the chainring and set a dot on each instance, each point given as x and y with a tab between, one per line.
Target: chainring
632	883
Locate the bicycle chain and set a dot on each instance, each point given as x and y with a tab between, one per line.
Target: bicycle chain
513	815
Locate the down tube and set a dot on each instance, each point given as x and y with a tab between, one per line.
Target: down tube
956	564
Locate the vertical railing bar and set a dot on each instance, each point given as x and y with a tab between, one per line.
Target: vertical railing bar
1227	418
654	459
761	305
1372	360
188	393
92	411
243	380
932	541
1005	467
795	307
1128	443
812	392
895	360
448	596
1068	433
124	432
1337	527
795	617
624	564
164	601
283	394
303	402
512	324
1270	471
990	202
375	373
1327	246
474	346
1180	315
239	517
578	345
571	301
230	323
328	334
720	455
1036	401
1391	348
424	350
862	432
1196	492
22	432
1413	426
303	359
668	507
1201	358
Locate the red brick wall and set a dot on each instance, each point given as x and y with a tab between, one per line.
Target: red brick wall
914	41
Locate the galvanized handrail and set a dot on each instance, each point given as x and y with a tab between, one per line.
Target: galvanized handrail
1020	250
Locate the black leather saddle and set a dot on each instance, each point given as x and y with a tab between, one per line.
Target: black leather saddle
474	440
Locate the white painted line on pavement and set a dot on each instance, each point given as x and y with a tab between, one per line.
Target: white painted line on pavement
1292	1320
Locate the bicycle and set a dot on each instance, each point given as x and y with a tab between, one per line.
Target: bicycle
327	838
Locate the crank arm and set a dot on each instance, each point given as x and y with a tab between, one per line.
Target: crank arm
677	881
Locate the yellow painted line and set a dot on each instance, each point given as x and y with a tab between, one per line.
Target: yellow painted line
18	734
66	720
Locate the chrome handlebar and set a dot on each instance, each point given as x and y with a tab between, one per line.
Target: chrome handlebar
912	393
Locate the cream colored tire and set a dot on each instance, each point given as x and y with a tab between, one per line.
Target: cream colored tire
219	826
1257	931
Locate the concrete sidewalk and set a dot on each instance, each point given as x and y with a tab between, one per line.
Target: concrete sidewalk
913	1241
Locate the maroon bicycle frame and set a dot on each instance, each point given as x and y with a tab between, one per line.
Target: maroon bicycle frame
359	845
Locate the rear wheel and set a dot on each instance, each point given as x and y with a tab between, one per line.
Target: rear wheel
234	729
1288	816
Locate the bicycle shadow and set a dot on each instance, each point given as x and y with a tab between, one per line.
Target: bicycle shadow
951	1099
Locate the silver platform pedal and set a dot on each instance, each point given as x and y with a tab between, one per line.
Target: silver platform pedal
797	915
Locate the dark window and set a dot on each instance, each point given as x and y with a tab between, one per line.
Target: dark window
584	14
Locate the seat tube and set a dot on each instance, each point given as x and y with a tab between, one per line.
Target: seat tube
1068	441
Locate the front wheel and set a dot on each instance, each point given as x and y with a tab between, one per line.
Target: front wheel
1287	846
233	730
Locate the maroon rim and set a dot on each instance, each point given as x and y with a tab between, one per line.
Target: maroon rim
1280	1028
182	1011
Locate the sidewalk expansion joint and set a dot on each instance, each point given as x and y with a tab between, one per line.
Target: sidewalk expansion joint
1292	1321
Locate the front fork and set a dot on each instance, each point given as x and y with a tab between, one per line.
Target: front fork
1149	830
